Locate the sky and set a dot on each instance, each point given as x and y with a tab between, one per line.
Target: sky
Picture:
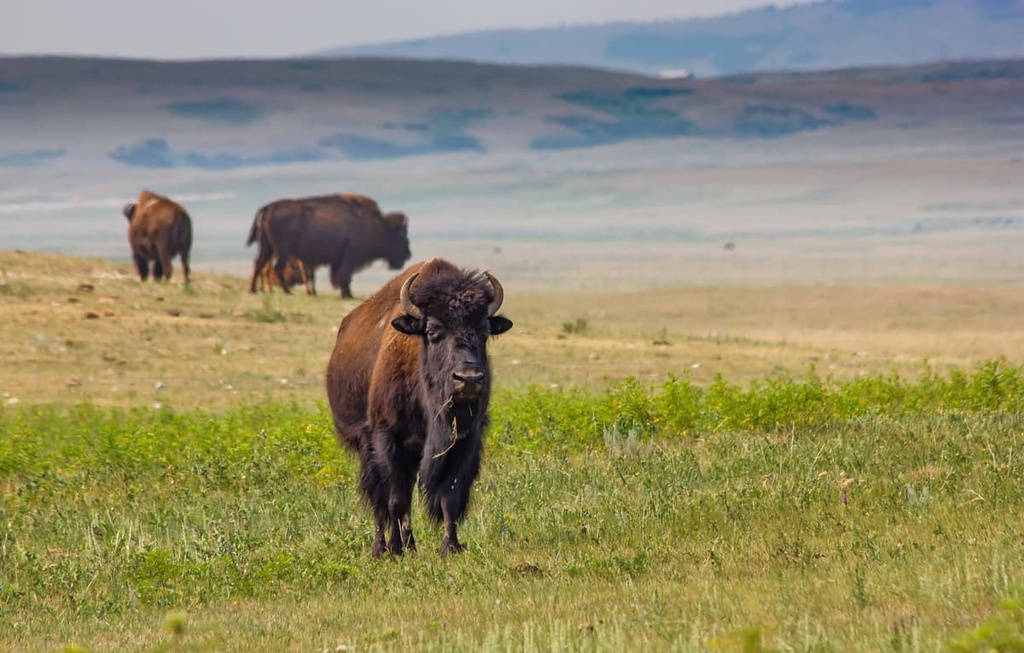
198	29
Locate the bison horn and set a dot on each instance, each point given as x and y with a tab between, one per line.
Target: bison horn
499	294
128	210
407	304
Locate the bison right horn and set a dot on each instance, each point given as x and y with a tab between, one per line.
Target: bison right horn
499	294
407	304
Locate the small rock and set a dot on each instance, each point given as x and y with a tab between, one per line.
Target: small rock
695	366
74	383
160	385
74	300
86	287
174	312
92	316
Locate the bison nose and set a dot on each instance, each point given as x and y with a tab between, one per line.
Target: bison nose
468	381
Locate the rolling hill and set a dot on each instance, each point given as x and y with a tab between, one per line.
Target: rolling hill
817	36
224	115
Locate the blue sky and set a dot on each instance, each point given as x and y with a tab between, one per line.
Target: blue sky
194	29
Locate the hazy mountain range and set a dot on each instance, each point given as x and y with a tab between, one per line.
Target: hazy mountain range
222	115
818	36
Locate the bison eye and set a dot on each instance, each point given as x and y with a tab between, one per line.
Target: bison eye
435	333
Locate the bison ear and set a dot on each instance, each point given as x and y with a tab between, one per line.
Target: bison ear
409	325
499	324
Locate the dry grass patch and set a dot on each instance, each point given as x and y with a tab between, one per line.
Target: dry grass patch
87	330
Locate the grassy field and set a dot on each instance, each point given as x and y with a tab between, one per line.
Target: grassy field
663	473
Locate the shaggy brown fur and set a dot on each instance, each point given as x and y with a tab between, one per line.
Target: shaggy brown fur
158	230
345	232
410	394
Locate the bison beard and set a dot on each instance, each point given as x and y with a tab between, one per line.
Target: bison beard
409	384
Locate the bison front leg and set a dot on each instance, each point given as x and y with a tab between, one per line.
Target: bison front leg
452	512
446	481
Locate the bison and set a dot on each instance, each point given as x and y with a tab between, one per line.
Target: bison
408	384
158	230
294	274
345	232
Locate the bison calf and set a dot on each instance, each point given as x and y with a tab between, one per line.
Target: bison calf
158	230
294	273
408	384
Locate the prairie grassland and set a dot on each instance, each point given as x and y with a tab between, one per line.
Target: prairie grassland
891	524
843	509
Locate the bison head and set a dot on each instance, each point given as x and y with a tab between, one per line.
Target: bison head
396	248
129	210
453	313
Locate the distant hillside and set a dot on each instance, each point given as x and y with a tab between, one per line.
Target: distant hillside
237	114
824	35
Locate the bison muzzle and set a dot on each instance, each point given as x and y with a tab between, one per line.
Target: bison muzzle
409	385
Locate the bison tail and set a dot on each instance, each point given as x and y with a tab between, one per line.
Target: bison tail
255	229
181	233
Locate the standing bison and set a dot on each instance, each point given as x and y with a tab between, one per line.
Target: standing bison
345	232
408	384
158	230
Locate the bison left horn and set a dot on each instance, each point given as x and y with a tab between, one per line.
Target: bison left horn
499	294
129	210
407	304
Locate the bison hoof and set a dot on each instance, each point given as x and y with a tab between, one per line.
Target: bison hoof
450	546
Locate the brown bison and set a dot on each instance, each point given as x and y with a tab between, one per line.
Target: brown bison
158	230
408	384
345	232
294	274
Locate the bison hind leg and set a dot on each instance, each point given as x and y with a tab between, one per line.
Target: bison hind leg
185	269
142	265
374	487
158	270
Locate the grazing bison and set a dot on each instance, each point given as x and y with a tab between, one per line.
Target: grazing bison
408	384
345	232
294	274
158	230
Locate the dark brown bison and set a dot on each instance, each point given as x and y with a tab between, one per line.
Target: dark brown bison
158	230
345	232
294	274
408	384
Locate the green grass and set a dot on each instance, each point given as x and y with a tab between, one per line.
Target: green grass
877	514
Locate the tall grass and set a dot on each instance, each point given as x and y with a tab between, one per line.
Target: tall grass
793	514
541	418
